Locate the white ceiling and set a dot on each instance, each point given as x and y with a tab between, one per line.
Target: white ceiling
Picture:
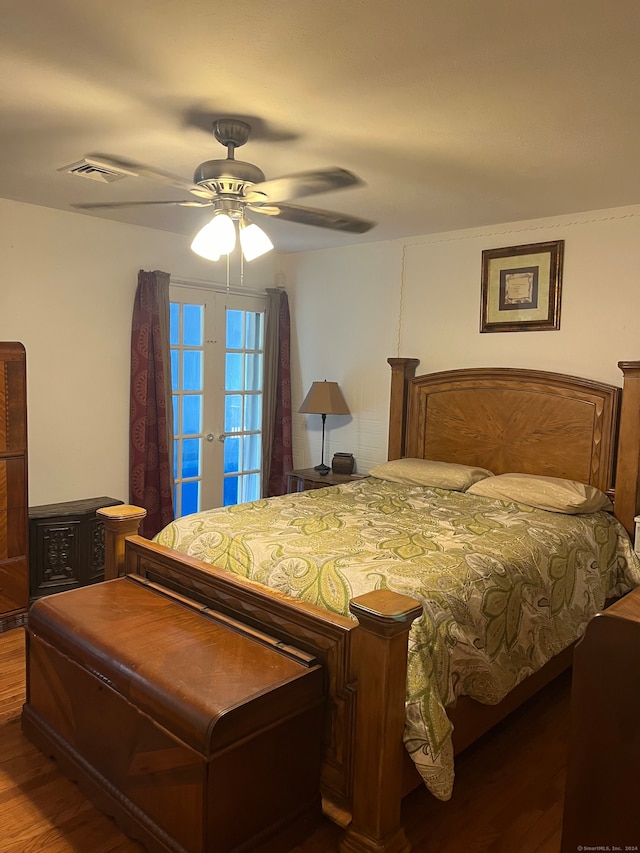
455	113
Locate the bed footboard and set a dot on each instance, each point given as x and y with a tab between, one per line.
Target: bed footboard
365	663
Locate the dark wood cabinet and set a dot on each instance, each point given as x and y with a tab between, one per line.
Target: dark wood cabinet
66	545
14	577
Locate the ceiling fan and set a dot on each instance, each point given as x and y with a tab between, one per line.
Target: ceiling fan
235	190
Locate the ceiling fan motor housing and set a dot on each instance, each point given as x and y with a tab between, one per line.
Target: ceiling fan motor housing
227	177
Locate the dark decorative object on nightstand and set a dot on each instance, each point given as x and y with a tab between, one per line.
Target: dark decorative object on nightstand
342	463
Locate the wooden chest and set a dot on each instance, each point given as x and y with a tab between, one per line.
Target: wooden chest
196	733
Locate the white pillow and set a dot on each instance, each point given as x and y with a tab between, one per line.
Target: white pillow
551	493
427	472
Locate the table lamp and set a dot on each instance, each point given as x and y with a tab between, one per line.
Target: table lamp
324	398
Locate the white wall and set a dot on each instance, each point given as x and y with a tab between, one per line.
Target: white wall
353	308
67	291
344	322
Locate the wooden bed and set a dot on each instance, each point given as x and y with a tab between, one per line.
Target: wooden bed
502	419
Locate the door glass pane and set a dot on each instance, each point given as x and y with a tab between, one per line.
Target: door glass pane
254	331
190	501
251	487
230	497
234	329
174	324
253	412
191	414
232	413
233	373
251	452
231	454
193	322
253	377
192	370
176	416
176	450
191	457
175	375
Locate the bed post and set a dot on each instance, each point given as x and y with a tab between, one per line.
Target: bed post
381	669
402	371
627	484
119	522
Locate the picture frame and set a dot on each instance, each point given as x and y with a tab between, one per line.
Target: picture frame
521	288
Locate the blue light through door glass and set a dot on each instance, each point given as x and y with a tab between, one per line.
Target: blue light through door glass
254	331
232	413
192	370
253	411
193	316
230	497
233	372
175	376
231	455
253	377
251	486
234	329
190	499
174	324
191	414
251	456
190	457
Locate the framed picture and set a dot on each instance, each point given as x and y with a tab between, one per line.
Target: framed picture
521	288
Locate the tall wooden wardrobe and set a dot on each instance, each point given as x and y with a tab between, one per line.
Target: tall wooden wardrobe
14	512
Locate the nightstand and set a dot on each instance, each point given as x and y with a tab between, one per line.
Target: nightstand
308	478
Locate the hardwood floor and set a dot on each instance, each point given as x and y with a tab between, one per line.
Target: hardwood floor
508	792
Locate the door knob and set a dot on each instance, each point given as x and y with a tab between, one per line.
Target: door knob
210	436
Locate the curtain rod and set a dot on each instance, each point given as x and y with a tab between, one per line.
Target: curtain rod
216	286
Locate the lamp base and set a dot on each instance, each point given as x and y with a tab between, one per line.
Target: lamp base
322	469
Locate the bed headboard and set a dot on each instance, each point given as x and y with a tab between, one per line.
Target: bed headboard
529	421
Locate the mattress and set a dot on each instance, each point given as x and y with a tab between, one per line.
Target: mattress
504	586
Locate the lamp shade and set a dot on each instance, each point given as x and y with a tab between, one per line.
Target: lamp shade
218	237
324	398
254	241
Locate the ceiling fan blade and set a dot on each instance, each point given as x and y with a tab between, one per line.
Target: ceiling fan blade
301	184
312	216
115	204
139	170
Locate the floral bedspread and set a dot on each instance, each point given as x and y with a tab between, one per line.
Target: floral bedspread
504	586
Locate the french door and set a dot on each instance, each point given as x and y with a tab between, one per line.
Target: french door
217	344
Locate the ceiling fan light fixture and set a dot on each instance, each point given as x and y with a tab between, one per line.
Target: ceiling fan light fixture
216	238
254	241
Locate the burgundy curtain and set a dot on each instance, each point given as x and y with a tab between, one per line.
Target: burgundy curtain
277	451
151	415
